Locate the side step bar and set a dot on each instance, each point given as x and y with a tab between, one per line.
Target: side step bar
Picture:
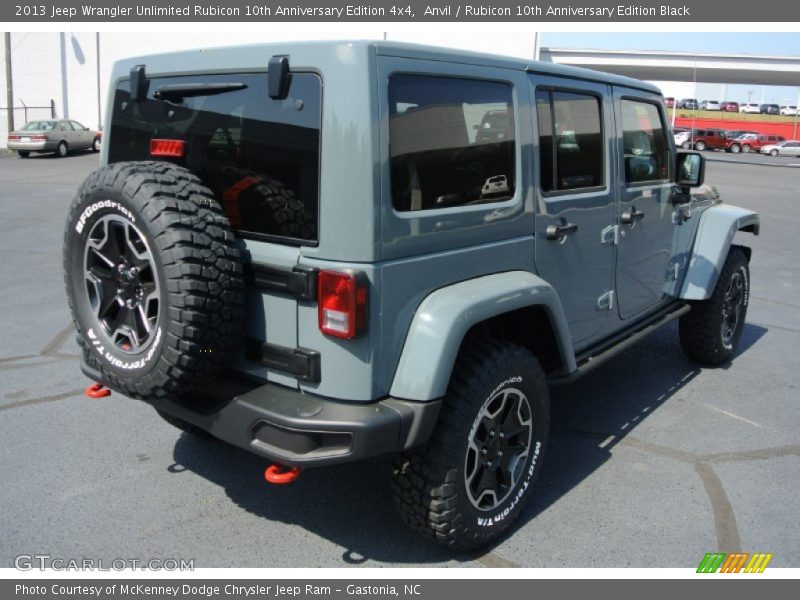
594	357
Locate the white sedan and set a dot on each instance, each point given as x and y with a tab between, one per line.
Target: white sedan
787	148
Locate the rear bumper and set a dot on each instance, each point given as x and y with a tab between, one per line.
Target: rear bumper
302	430
33	146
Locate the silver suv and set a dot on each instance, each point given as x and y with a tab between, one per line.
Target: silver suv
332	251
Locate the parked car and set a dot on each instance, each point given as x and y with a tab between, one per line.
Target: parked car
710	105
669	102
785	148
213	271
729	107
789	110
683	139
708	139
53	135
732	134
751	108
751	142
688	104
769	109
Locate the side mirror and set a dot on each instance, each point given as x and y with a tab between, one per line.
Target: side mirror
690	170
86	129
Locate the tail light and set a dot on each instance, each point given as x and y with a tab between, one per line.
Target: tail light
342	304
14	138
168	148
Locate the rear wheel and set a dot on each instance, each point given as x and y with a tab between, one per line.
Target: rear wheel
23	153
466	486
700	146
710	332
61	150
736	148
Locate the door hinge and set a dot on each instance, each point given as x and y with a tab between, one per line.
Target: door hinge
610	235
606	301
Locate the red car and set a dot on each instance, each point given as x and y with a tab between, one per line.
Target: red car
751	143
729	107
711	139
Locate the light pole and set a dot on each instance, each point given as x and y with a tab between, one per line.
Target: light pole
796	108
9	84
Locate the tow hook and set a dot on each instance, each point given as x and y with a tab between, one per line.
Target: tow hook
97	390
281	474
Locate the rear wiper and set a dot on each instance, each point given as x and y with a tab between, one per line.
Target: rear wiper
179	91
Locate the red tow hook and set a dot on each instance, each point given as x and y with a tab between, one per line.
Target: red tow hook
97	390
281	474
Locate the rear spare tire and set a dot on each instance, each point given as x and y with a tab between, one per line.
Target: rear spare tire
153	277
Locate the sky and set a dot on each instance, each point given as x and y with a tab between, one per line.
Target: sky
776	44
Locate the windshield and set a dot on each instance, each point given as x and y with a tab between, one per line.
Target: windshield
40	126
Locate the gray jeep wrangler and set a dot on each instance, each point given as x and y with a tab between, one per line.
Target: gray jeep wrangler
325	252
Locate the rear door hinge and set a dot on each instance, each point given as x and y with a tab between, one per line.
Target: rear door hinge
610	235
606	301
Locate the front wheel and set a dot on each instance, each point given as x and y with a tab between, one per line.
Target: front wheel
736	148
95	145
745	148
710	332
773	153
468	484
23	153
686	145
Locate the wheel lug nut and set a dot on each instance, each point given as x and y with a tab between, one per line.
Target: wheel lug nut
491	434
483	451
502	435
499	453
489	464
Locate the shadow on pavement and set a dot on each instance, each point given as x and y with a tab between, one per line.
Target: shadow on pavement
350	505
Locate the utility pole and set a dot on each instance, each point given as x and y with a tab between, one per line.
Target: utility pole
9	84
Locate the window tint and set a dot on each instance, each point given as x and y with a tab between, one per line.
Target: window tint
570	141
77	126
260	156
644	142
451	142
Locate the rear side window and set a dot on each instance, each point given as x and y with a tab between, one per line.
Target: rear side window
451	142
260	156
645	142
571	149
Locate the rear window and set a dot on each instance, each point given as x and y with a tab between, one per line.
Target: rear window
451	142
260	156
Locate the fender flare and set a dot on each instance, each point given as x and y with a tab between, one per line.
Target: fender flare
718	225
446	315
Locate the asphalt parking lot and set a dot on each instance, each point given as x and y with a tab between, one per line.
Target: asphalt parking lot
653	461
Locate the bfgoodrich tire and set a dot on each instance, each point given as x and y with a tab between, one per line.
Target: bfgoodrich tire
710	332
154	278
468	484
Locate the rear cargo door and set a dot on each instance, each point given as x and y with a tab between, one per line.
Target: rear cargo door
260	156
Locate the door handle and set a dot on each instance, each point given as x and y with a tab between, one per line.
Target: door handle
632	215
559	232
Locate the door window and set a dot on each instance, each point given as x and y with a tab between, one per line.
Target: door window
645	143
570	141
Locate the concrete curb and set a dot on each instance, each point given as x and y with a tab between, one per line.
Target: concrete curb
754	163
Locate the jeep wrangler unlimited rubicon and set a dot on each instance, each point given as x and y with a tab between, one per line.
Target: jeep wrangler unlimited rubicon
324	252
